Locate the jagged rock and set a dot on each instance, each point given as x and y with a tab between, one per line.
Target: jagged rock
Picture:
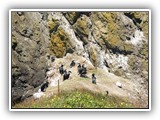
63	40
71	16
82	28
30	40
17	93
114	41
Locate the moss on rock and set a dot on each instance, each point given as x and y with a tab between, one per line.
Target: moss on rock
144	51
59	43
14	42
82	29
110	31
53	25
143	17
140	19
93	56
72	16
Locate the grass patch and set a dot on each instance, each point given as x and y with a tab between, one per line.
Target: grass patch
77	99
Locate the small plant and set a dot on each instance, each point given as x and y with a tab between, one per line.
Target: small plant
77	99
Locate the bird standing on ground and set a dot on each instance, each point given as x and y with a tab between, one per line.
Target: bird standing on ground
61	70
72	64
93	79
79	68
66	75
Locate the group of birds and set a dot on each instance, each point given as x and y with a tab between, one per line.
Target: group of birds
81	69
64	72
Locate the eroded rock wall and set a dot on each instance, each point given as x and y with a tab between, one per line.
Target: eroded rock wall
30	41
114	41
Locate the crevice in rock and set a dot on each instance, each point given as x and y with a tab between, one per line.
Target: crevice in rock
136	21
116	50
14	45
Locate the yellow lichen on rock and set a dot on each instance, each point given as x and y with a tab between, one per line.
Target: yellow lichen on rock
93	56
57	46
81	26
13	39
59	42
72	16
113	38
52	24
143	16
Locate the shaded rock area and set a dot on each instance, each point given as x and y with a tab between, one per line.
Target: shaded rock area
116	42
30	40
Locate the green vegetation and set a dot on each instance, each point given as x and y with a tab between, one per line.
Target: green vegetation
77	99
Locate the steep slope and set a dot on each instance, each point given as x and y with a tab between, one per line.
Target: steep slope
105	81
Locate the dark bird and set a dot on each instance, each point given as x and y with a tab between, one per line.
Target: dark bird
61	70
46	70
44	86
79	68
66	75
93	79
107	92
83	71
72	64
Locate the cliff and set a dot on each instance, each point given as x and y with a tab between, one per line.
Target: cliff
115	42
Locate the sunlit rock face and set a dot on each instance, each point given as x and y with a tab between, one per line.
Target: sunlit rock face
117	42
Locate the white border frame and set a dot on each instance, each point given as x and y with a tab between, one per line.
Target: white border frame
96	10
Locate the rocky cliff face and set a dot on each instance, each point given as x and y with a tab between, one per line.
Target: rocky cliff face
30	39
114	41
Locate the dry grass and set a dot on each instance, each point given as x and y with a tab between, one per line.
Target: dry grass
105	82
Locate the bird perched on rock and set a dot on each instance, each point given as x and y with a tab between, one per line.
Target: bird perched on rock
61	70
66	75
72	64
44	86
93	79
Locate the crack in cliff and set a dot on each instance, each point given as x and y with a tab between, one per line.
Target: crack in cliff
136	21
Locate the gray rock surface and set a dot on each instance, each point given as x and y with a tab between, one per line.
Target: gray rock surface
30	40
114	41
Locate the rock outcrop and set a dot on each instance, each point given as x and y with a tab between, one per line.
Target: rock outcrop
30	39
114	41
